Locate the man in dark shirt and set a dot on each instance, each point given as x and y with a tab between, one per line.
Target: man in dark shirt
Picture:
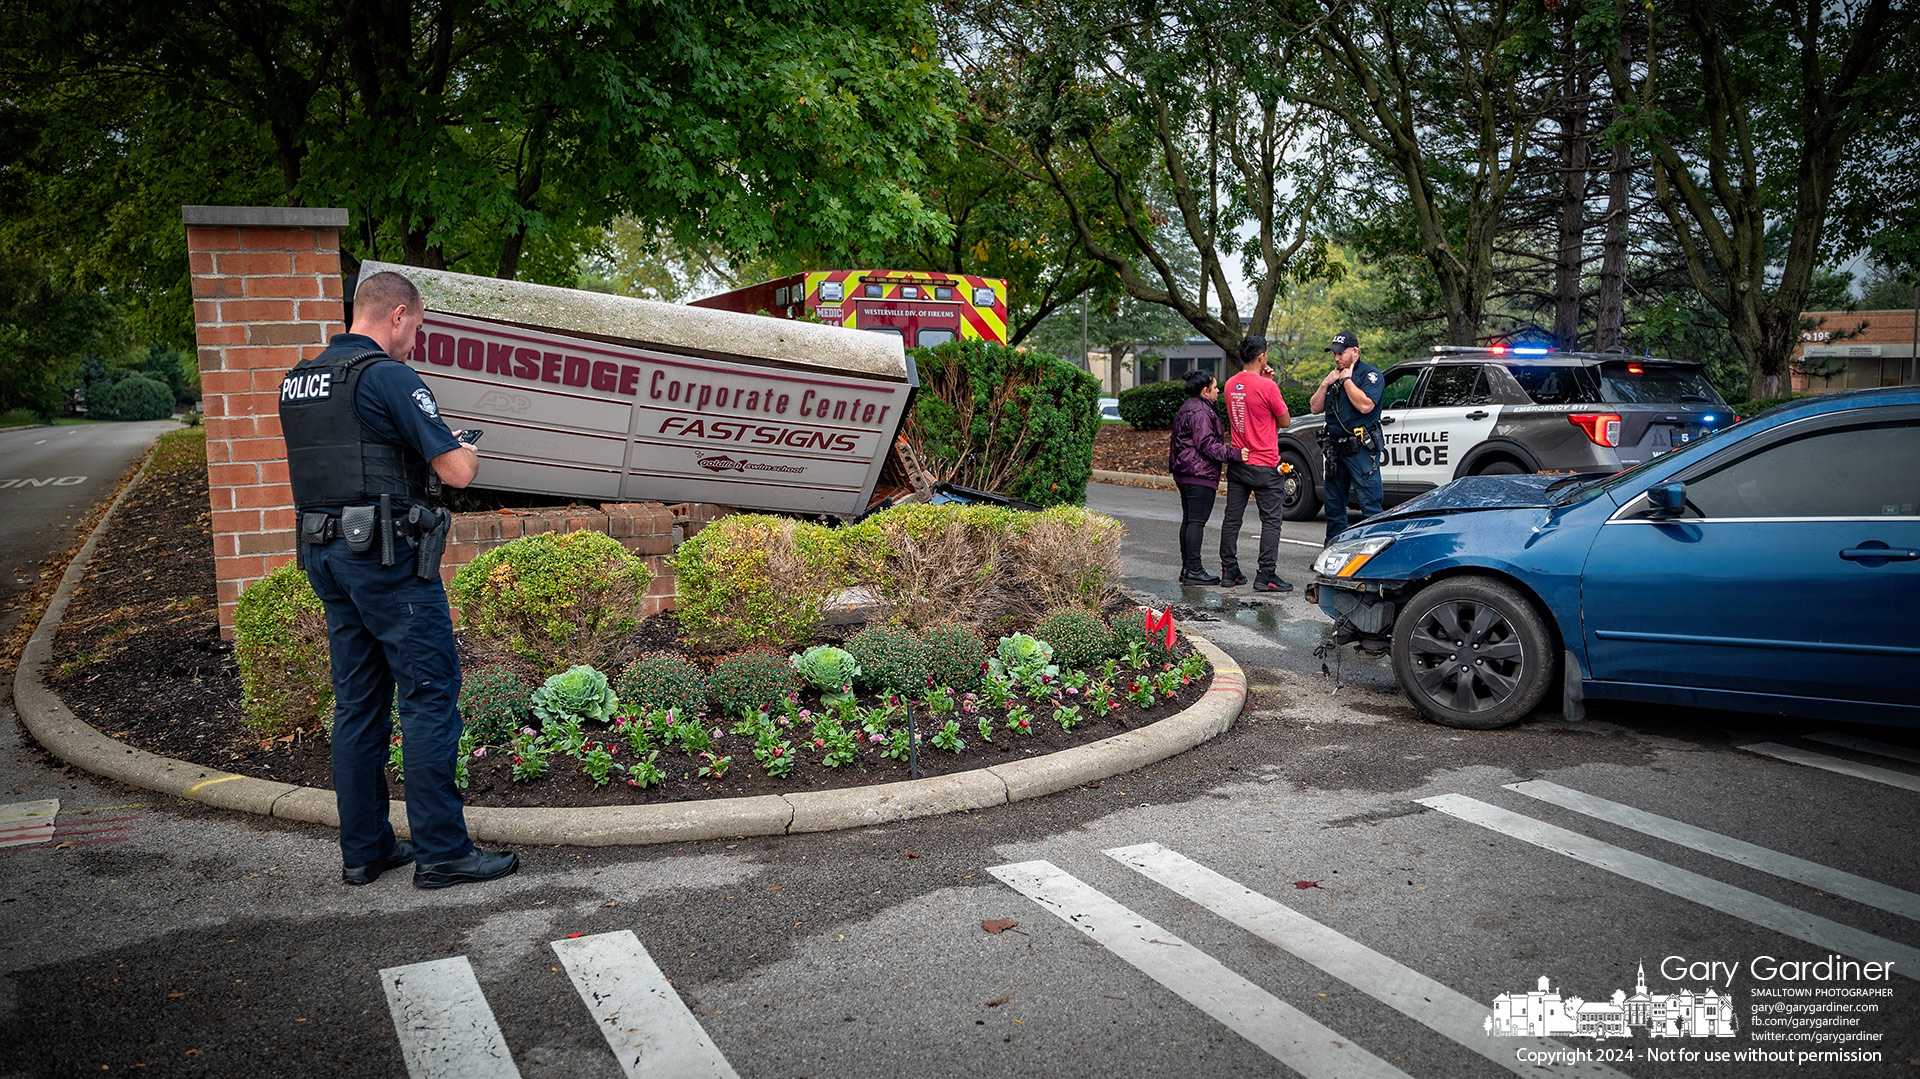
1350	396
362	428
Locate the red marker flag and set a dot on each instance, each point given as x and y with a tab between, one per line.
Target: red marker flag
1164	618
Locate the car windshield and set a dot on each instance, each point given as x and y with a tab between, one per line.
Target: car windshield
1635	383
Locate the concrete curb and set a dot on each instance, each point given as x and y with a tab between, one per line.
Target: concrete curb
55	728
1134	479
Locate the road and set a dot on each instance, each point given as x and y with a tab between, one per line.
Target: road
1329	889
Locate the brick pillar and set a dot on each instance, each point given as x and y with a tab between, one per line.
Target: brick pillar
266	294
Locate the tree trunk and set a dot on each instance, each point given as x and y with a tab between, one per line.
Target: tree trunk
1575	145
1611	311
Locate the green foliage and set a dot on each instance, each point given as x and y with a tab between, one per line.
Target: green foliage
135	397
830	670
494	702
661	681
1130	633
280	646
1021	658
179	451
891	660
578	693
1079	638
1151	407
955	656
554	599
752	681
1750	409
995	418
47	330
752	580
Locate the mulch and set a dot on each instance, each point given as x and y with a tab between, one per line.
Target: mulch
1117	447
138	655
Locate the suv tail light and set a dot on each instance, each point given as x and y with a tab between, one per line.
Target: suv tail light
1601	428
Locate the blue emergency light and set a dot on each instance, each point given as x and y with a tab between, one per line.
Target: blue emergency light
1531	351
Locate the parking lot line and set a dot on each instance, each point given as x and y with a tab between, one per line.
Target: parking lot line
1865	745
1725	898
1283	1031
1401	988
646	1024
1811	759
1859	889
26	824
443	1022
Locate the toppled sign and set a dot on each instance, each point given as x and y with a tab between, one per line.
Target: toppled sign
596	396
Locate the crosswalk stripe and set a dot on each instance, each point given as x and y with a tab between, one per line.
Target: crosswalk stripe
645	1022
1836	764
1405	990
1725	898
1865	745
1827	879
443	1022
1283	1031
26	824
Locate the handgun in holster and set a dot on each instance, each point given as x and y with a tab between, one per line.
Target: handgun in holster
429	528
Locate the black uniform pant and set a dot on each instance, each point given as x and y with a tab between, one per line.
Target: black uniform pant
1354	475
388	629
1262	483
1196	505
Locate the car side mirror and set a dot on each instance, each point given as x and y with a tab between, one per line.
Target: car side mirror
1667	499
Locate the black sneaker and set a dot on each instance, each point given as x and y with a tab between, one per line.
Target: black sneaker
1271	584
1198	577
1233	580
474	868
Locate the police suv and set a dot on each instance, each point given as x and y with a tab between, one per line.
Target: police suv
1503	411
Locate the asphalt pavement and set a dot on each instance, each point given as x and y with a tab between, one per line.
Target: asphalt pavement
1331	888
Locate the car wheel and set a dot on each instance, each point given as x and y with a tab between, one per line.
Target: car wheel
1500	467
1300	501
1473	653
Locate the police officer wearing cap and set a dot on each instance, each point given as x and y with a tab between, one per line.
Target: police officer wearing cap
1350	397
366	448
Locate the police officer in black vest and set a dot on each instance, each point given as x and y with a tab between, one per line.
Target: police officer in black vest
1350	396
365	450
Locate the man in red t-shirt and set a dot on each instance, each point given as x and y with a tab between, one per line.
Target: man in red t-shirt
1256	413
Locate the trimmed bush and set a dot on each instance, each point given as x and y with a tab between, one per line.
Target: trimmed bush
280	645
997	418
135	397
1151	407
554	600
753	580
661	680
752	681
1131	626
1079	638
955	655
931	563
494	702
891	660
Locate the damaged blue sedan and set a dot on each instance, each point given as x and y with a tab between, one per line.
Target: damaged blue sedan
1771	567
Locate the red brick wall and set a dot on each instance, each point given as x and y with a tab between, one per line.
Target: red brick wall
267	294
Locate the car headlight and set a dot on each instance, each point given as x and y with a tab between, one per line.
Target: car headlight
1344	559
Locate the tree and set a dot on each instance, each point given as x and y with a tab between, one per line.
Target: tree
1748	111
46	333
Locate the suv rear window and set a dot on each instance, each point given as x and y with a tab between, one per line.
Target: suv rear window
1655	383
1556	385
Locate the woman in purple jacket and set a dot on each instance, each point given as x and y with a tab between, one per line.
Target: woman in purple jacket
1194	456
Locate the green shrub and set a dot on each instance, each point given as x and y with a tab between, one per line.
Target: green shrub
752	580
752	681
554	600
1151	407
280	646
1079	638
1001	419
1758	405
135	397
955	655
891	660
494	702
1131	626
661	681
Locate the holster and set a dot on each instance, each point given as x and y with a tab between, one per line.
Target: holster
429	540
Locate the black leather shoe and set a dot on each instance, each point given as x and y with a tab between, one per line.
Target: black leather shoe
474	868
1233	580
1200	577
368	872
1271	584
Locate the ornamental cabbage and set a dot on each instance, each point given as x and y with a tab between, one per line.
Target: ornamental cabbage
579	692
1023	657
830	670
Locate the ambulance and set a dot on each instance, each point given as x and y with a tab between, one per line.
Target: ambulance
922	308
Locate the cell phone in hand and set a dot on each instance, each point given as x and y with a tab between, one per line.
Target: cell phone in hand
470	435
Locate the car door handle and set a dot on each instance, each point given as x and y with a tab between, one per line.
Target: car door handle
1478	414
1386	420
1877	555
